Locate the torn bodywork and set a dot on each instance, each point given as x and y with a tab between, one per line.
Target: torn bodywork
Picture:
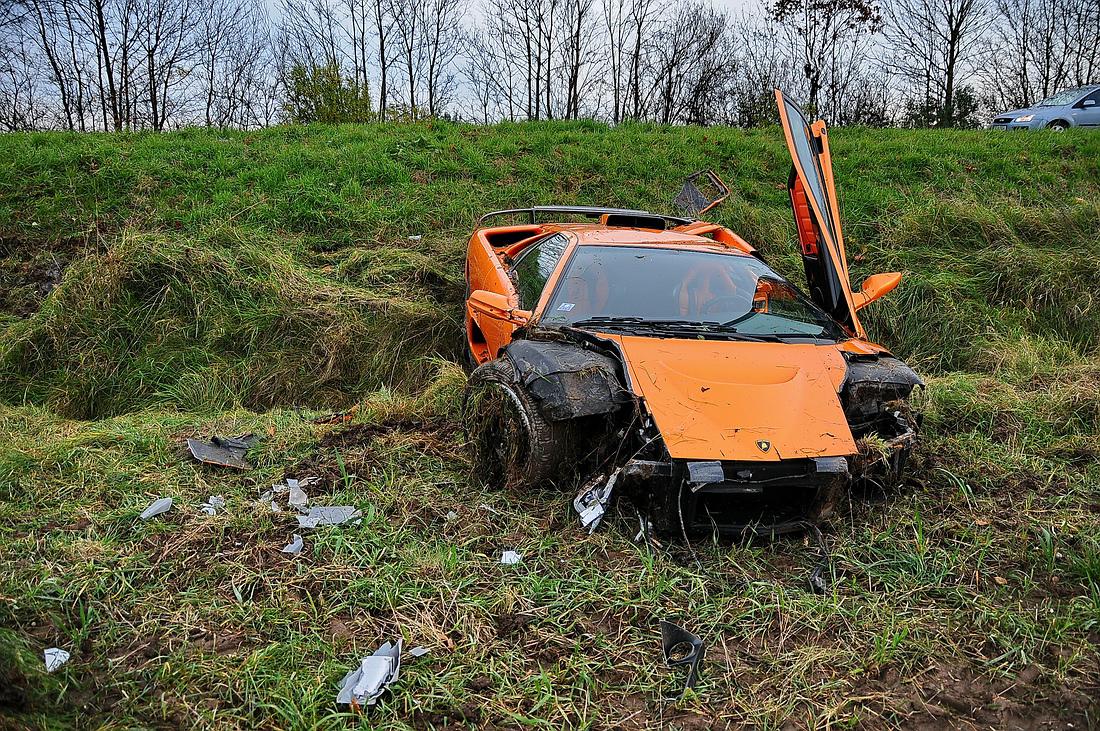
614	443
661	359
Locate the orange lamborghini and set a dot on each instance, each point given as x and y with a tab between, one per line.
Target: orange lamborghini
661	357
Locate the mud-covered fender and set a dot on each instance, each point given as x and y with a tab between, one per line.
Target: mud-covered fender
871	381
566	380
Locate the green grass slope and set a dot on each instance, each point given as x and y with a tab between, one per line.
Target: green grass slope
154	287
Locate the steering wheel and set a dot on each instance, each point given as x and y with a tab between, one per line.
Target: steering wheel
712	306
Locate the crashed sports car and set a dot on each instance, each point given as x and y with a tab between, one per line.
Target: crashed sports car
659	357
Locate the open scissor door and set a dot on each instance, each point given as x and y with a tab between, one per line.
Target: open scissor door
817	215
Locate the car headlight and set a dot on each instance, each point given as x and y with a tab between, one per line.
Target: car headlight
1025	118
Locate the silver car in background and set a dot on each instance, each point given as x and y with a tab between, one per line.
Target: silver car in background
1070	108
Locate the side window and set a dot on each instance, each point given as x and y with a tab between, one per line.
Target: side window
535	266
1094	96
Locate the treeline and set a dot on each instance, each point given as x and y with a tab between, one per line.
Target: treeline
159	64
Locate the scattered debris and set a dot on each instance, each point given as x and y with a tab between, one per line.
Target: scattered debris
328	515
419	651
213	504
820	578
366	683
158	506
267	500
486	507
510	557
592	501
339	417
298	498
295	546
223	451
682	648
416	237
55	658
451	515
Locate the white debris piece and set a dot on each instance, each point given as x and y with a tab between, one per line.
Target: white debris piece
295	546
591	503
451	515
510	557
213	504
328	515
419	651
55	658
416	237
267	500
375	673
298	498
161	505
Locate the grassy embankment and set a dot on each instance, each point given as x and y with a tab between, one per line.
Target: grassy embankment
213	281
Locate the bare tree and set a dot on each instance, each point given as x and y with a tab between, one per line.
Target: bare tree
930	45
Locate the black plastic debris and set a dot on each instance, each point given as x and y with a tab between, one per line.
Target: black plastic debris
364	685
701	192
682	648
223	451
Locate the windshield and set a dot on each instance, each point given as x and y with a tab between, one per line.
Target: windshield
1062	98
683	292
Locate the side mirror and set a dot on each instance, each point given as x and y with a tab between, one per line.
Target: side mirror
1088	103
875	287
497	306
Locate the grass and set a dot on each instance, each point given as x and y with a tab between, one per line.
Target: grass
163	286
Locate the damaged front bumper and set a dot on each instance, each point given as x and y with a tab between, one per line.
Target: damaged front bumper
740	498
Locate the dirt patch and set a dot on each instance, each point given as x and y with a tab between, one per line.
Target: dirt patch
958	697
359	435
29	271
13	692
511	624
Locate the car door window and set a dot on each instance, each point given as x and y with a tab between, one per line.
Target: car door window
534	267
1094	96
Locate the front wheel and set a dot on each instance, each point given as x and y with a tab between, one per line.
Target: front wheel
512	445
1058	126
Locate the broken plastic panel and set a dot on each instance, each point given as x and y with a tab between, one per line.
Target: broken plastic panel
213	504
328	515
157	507
223	451
419	651
295	546
510	557
55	658
682	648
592	501
702	191
366	683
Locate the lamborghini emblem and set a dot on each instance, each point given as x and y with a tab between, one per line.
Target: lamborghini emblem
764	444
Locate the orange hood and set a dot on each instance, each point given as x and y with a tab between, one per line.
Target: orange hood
714	399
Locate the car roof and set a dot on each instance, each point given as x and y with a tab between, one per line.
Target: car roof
599	235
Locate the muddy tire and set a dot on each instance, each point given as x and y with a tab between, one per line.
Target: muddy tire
511	444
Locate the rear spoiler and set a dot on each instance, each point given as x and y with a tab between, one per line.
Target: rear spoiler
615	216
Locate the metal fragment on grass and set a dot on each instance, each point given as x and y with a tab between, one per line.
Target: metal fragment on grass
419	651
55	658
328	515
510	557
223	451
298	498
158	506
592	501
367	682
213	504
295	546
